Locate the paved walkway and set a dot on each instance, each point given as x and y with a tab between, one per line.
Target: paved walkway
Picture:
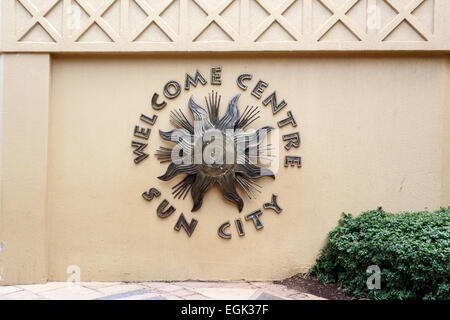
188	290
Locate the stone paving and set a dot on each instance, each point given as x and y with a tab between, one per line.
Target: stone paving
187	290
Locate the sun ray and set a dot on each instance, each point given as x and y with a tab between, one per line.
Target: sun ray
213	104
250	115
199	188
228	188
228	121
181	189
179	120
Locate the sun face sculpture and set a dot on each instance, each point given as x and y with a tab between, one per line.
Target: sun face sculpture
213	150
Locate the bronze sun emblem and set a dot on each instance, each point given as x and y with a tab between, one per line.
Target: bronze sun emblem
213	150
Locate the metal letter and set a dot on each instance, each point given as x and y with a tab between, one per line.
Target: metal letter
254	215
143	133
289	119
155	104
273	205
273	99
150	194
240	227
259	88
175	85
221	230
292	161
162	212
139	147
183	223
150	121
189	80
216	75
241	78
294	140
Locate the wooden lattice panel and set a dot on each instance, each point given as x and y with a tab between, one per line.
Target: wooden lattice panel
224	25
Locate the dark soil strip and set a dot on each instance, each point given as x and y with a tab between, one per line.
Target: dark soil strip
310	284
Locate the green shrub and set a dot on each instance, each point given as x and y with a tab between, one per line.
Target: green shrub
411	249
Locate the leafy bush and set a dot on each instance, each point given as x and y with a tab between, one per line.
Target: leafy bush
411	249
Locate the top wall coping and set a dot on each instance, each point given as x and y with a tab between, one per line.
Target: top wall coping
224	26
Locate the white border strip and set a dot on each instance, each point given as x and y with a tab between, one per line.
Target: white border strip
1	135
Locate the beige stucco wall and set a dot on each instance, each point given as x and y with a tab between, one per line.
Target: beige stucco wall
446	142
371	131
23	225
374	124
